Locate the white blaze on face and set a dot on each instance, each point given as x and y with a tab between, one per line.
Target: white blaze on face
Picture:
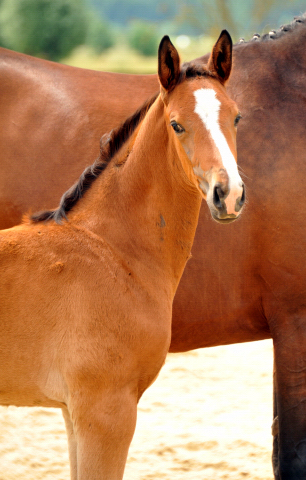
207	107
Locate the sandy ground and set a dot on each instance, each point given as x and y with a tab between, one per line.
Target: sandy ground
207	417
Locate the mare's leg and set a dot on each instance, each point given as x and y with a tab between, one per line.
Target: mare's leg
72	445
104	424
275	431
289	336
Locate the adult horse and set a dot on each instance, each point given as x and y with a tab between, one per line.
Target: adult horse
250	283
87	289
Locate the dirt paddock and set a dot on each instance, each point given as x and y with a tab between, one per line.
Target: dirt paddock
207	417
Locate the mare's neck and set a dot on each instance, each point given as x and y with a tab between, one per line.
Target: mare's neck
145	207
263	68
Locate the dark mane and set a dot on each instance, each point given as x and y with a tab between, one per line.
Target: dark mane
109	146
275	34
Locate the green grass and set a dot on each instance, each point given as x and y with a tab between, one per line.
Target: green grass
121	58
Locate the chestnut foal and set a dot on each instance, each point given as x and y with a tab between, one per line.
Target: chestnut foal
86	290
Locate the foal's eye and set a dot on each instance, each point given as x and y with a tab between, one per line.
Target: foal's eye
239	116
177	127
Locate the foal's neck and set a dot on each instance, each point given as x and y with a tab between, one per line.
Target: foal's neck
143	205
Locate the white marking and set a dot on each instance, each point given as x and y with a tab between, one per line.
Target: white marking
207	107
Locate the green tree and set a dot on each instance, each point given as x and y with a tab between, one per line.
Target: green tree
49	28
99	35
143	37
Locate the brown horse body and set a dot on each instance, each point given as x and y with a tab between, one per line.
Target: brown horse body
249	284
86	291
64	109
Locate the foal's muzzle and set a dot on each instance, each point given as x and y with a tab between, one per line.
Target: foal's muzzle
227	203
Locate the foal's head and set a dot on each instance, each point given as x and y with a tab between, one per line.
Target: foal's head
204	120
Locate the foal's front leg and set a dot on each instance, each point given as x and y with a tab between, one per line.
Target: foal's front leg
103	425
72	444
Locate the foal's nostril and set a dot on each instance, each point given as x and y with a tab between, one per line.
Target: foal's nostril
217	197
242	199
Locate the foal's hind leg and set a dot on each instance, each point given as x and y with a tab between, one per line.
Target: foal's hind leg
71	444
104	424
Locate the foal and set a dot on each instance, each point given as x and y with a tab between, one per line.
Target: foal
86	290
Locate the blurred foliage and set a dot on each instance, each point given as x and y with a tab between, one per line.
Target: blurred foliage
122	59
239	18
198	17
53	28
100	36
122	12
143	37
49	28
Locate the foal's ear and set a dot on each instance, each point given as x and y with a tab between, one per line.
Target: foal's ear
220	61
168	64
